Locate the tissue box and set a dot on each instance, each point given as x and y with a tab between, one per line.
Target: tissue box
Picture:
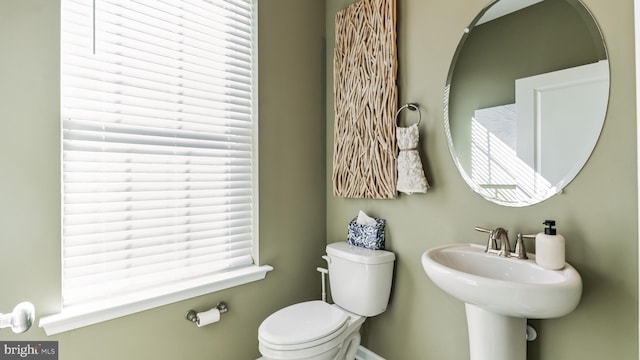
366	236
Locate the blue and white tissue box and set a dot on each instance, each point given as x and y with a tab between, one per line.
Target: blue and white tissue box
366	236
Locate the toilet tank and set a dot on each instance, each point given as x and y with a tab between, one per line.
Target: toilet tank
360	278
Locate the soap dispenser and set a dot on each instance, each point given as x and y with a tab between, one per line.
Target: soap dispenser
550	247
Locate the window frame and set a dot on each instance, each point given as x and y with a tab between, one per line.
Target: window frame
77	316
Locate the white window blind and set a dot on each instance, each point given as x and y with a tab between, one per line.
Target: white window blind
158	135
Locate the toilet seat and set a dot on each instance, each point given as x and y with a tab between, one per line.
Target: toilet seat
302	326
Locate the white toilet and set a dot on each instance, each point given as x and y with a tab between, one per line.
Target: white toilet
360	281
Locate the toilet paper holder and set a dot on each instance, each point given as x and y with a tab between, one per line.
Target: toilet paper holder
192	315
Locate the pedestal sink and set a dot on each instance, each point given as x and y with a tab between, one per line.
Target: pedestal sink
500	293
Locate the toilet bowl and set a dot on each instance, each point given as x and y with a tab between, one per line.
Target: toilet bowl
360	282
312	330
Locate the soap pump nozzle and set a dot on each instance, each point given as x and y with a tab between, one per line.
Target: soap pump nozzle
549	229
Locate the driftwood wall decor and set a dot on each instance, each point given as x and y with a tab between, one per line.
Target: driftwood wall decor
366	99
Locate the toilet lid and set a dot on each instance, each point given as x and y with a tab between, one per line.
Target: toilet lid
302	323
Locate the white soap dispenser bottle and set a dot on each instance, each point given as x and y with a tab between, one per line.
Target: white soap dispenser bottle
550	247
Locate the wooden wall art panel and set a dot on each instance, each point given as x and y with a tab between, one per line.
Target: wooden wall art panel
366	99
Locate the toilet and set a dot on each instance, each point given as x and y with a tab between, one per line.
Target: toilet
360	281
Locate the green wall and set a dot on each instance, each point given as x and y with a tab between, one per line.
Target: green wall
292	178
597	213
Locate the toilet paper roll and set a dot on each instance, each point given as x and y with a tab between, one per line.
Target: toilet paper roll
207	317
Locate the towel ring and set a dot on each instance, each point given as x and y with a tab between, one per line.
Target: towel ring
412	107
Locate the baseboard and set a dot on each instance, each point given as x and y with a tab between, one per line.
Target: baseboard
366	354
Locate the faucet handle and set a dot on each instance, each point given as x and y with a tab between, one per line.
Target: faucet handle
481	229
520	250
491	242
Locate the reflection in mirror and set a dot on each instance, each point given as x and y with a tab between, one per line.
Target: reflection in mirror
526	98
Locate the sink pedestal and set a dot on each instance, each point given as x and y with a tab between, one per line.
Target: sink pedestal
500	293
495	337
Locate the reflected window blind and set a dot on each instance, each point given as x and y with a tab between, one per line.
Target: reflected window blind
158	137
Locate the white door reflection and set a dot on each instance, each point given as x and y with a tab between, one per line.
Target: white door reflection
515	154
495	165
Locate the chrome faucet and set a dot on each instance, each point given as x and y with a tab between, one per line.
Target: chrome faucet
505	247
501	235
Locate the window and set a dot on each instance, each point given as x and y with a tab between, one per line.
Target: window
159	142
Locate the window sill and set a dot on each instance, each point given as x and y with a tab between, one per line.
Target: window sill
79	316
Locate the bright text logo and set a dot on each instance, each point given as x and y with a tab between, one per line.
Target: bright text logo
31	350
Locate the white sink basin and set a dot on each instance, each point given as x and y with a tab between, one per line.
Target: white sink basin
504	286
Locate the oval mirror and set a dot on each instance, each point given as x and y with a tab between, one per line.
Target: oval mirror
526	98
